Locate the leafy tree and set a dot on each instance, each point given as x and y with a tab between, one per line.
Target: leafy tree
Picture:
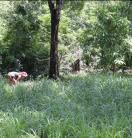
24	39
111	29
107	34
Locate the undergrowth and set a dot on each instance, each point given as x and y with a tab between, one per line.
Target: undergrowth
91	106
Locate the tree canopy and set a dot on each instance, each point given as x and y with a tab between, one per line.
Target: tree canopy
101	30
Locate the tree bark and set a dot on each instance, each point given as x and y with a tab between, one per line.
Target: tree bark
55	10
76	66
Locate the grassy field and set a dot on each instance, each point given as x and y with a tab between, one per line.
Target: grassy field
92	106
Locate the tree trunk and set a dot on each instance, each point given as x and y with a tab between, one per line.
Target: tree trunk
76	66
55	18
54	70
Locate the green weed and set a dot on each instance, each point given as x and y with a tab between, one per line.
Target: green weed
88	106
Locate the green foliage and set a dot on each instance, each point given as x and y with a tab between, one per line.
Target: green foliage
81	106
24	41
106	32
28	37
102	29
111	32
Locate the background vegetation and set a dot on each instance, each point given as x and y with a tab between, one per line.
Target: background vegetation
102	30
78	105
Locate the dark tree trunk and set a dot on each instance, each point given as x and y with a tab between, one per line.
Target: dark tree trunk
54	70
55	9
76	66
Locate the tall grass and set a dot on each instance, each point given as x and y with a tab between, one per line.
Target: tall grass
92	106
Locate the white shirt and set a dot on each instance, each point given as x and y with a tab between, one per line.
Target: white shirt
13	74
